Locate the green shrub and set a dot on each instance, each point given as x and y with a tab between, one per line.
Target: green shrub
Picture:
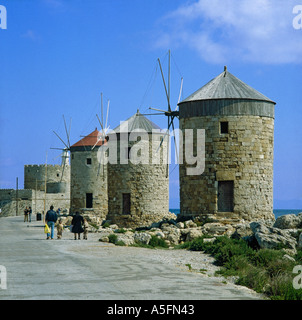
106	225
120	230
112	238
157	242
263	270
120	243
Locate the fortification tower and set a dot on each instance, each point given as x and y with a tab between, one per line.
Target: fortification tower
88	176
138	184
237	182
57	178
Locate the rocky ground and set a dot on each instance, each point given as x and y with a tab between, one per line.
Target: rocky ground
286	231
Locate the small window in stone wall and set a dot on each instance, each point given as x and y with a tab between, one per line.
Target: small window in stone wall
224	127
89	161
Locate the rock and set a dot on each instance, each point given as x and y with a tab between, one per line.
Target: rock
180	225
172	234
289	258
104	234
142	237
190	224
193	234
217	229
159	234
209	240
272	238
114	226
104	239
242	230
288	221
127	238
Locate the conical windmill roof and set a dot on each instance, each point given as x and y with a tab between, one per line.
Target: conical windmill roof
136	122
226	86
90	140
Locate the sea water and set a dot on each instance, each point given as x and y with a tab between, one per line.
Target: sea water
277	212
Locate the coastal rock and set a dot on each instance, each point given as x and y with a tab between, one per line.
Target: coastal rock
193	234
190	224
242	230
172	234
272	238
142	237
104	234
289	221
114	226
180	225
218	229
127	238
104	239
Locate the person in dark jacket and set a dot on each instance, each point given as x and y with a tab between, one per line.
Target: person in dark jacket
51	218
77	223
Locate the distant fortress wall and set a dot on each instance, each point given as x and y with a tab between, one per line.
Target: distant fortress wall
57	177
13	202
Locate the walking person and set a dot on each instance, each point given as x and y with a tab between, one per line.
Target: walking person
29	213
26	214
60	228
86	227
77	223
51	218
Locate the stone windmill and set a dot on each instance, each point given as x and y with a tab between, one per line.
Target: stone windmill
138	188
237	182
88	182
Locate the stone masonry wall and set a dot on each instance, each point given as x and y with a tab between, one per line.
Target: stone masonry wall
11	203
244	156
87	178
34	175
147	184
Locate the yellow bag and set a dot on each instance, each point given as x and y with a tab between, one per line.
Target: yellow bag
46	229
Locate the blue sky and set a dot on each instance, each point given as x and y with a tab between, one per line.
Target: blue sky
57	56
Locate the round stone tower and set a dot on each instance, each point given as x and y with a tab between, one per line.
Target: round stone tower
237	182
138	184
88	177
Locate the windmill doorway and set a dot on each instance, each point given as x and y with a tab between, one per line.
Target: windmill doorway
126	203
225	196
89	200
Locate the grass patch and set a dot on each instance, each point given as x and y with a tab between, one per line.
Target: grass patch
263	270
189	266
154	243
157	242
112	238
106	225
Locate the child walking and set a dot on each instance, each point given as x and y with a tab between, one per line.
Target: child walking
86	226
60	228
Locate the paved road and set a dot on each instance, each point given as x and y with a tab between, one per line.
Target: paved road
67	269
